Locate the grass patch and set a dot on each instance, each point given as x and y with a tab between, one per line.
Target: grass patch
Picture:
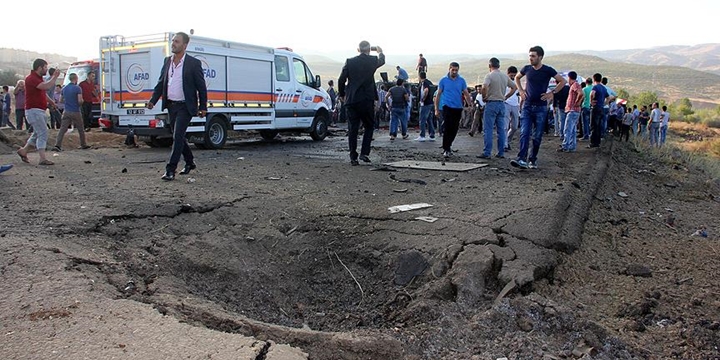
694	146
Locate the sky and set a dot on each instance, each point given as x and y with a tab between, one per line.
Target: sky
334	28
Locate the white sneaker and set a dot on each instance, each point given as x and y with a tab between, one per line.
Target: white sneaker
420	138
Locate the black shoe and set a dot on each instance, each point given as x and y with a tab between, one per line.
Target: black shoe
483	156
365	158
354	162
188	167
168	176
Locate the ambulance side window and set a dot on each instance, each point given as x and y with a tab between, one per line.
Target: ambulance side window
282	68
302	73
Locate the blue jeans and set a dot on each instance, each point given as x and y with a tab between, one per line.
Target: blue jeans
426	113
654	134
596	126
570	140
634	126
532	121
663	134
560	116
494	116
398	116
586	117
643	131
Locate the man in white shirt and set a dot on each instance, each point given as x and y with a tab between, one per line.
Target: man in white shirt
664	125
512	109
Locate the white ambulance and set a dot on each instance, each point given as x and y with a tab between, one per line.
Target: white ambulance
249	87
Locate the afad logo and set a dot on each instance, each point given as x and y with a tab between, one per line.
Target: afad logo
136	78
209	73
306	98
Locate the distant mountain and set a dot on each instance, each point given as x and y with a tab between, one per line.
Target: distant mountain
704	57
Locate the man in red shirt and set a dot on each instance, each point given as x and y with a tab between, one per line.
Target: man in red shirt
89	94
36	102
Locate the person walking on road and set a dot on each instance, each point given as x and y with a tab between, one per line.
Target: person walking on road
356	90
451	91
36	104
73	100
494	92
534	111
182	87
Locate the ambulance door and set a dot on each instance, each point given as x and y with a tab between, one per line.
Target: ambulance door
285	94
305	104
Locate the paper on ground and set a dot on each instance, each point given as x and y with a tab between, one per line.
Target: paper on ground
401	208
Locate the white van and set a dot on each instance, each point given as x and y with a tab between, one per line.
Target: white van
249	87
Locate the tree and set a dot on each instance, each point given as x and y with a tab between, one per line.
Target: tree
645	98
8	77
623	94
684	107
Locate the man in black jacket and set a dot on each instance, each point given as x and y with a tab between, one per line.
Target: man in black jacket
182	87
356	87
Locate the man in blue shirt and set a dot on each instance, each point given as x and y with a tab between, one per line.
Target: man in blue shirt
73	99
402	74
451	89
535	108
598	95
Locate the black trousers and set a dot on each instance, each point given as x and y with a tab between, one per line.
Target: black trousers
596	125
360	113
452	124
86	110
180	119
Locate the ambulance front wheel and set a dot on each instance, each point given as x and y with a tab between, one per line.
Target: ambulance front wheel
216	133
319	127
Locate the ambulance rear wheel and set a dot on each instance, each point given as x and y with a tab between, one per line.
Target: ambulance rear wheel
319	127
268	134
216	133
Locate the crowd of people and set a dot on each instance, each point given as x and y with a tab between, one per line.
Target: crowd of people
42	104
497	108
574	108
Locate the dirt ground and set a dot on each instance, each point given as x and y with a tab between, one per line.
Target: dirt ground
281	250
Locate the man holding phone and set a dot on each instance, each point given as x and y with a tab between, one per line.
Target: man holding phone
356	89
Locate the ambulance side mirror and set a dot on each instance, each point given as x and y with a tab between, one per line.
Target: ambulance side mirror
318	83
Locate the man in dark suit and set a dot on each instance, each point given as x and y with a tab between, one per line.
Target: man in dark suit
182	87
357	81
